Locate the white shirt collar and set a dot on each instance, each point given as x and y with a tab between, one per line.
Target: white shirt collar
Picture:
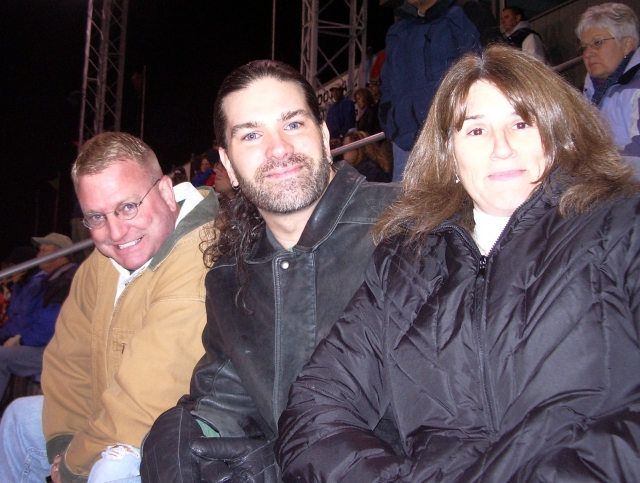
488	229
187	196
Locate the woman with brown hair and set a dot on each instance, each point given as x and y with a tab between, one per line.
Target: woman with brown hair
368	112
499	322
369	160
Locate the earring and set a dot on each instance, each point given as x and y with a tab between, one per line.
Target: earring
457	179
235	185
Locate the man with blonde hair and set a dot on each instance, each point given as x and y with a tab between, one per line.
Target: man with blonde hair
128	335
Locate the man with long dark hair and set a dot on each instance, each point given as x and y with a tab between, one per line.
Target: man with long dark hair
291	250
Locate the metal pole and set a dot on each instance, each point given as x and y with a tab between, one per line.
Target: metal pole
121	50
358	144
34	262
35	228
313	57
87	48
144	95
273	32
55	214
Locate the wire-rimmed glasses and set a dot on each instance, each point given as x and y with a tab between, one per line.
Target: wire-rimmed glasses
594	44
124	211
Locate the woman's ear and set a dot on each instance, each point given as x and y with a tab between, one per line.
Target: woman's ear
628	45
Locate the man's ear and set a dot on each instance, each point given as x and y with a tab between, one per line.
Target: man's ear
228	166
326	138
165	186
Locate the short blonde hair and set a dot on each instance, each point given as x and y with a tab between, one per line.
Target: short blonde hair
101	151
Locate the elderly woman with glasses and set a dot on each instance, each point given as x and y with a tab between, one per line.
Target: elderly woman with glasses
498	326
608	36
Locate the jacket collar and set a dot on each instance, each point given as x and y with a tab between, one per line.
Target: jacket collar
60	270
202	213
632	69
437	9
545	197
523	24
323	220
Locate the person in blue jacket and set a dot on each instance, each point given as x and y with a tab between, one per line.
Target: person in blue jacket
30	328
23	287
341	116
420	48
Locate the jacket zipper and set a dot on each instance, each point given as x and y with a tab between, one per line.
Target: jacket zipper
479	291
479	306
479	302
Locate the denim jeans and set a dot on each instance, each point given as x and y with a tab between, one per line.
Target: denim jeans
23	455
400	157
20	360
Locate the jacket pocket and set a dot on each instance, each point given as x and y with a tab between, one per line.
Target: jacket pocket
118	341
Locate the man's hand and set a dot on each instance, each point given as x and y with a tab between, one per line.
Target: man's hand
55	472
12	341
235	460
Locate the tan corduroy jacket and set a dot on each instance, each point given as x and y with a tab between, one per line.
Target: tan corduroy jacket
110	371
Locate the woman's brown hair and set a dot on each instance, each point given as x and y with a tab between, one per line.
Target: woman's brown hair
573	138
369	151
366	95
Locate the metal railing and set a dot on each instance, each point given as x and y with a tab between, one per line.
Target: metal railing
567	65
52	256
334	152
358	144
89	242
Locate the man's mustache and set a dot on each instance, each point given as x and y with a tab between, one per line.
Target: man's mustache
275	163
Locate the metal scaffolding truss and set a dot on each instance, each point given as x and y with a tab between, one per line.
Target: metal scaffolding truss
103	67
331	47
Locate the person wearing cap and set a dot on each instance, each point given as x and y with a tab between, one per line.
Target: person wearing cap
129	334
341	116
21	353
23	286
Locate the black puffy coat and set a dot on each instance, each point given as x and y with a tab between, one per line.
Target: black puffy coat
520	366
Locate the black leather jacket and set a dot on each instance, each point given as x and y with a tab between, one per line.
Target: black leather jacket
294	297
241	385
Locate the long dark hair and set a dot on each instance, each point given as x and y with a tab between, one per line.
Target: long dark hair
244	76
239	222
573	137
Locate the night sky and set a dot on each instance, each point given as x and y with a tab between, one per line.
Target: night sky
187	47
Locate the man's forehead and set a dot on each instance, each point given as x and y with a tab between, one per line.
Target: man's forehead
124	168
118	182
266	94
